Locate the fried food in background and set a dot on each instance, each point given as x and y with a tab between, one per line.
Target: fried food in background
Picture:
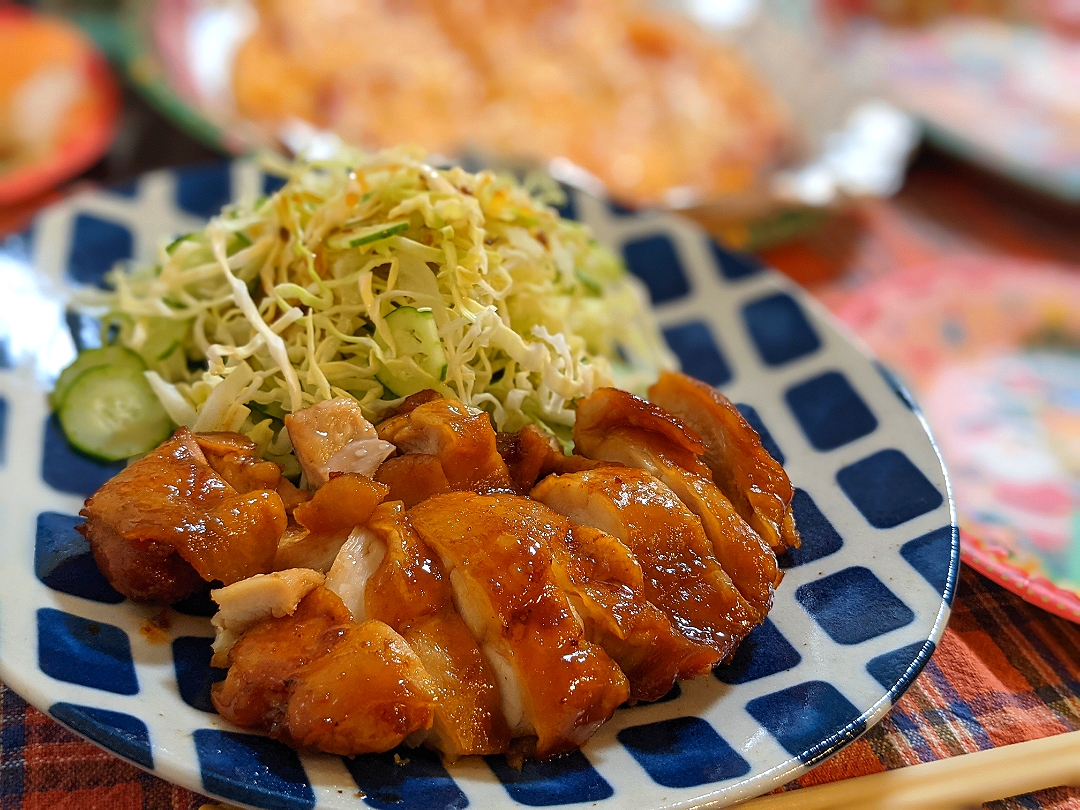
644	100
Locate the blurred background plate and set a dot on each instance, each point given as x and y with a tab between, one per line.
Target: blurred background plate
58	103
803	135
994	82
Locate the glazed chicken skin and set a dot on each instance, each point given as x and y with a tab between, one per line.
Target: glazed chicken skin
437	583
555	685
605	584
681	575
616	426
405	586
317	679
460	438
322	524
413	478
532	454
166	523
753	480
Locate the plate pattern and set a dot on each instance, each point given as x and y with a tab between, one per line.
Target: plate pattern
863	603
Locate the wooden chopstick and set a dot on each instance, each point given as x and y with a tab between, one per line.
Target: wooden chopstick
958	782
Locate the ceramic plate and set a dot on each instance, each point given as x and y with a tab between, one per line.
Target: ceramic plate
862	605
996	94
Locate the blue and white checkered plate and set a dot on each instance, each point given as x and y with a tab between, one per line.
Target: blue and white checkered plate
862	605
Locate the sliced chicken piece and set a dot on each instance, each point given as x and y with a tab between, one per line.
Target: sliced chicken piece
412	594
369	695
357	561
532	454
314	678
468	716
554	684
409	582
264	662
608	410
325	521
244	604
172	502
605	585
461	437
333	436
413	478
140	569
743	470
681	575
617	426
235	458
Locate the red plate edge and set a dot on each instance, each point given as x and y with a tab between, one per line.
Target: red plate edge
84	148
995	565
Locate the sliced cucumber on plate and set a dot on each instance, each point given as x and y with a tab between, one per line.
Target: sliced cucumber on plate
420	361
112	413
114	356
355	237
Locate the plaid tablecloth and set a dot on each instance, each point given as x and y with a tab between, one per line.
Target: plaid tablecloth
1005	672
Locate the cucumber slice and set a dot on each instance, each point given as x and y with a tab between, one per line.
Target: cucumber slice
113	356
163	335
201	252
175	243
111	413
420	361
365	236
237	242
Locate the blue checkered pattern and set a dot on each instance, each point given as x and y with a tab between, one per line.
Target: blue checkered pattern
862	606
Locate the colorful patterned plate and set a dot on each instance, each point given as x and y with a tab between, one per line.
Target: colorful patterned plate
992	351
863	604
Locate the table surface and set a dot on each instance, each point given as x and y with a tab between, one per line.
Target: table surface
1005	671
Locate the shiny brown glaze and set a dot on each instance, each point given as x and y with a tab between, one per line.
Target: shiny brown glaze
412	594
172	498
317	679
325	521
681	575
145	571
497	549
367	695
235	458
617	426
604	582
744	471
413	478
532	454
610	409
462	438
263	663
411	402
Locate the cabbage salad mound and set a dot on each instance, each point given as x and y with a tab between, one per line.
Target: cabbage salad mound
371	276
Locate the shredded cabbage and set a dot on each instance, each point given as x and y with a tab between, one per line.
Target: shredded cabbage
271	309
